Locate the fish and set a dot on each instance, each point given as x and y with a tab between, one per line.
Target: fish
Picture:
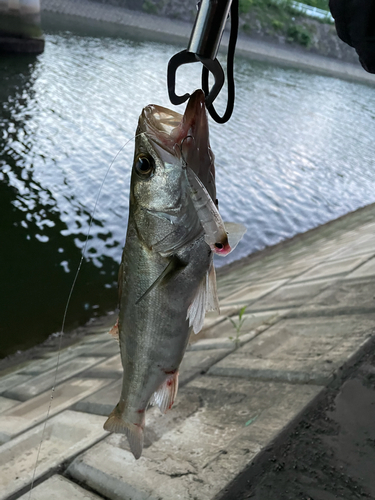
166	277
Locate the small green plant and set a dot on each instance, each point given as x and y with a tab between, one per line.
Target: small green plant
150	7
319	4
277	25
246	27
244	6
238	325
299	34
251	420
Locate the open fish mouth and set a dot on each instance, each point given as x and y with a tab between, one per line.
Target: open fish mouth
183	136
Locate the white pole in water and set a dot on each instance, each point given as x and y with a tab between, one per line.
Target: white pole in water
28	6
23	6
14	4
20	29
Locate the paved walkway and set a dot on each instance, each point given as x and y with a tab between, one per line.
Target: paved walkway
310	308
136	23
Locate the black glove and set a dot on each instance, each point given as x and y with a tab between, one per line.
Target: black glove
355	25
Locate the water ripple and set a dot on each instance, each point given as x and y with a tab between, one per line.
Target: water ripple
297	152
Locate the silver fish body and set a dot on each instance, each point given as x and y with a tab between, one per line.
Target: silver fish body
166	264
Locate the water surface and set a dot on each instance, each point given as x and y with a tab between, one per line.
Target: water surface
298	152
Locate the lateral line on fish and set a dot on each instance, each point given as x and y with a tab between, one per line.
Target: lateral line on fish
67	306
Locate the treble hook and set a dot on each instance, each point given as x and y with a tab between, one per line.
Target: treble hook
203	47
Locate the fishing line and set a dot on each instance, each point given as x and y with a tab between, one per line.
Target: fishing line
67	306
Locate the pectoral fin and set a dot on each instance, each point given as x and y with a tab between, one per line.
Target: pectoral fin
114	331
174	267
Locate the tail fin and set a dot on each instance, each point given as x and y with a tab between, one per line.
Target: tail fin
134	432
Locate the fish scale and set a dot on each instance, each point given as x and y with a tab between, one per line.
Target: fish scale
166	278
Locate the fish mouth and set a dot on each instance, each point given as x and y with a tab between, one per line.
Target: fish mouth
185	137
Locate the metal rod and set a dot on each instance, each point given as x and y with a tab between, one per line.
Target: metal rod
208	28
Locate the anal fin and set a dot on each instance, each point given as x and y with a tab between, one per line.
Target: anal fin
166	394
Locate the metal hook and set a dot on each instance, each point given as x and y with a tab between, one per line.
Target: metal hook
203	47
185	57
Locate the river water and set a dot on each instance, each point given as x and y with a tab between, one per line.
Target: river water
298	152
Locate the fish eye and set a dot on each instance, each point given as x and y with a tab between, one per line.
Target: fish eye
144	165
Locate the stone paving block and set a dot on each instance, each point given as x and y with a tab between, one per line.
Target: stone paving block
105	349
344	297
252	292
365	270
198	457
65	435
19	368
36	385
110	368
40	366
196	362
82	348
193	364
71	352
290	295
103	401
332	268
32	412
59	488
11	381
296	371
157	423
363	246
298	350
227	290
285	271
244	276
213	317
6	403
253	321
222	343
97	338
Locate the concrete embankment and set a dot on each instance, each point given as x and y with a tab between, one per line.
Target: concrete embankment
309	314
139	24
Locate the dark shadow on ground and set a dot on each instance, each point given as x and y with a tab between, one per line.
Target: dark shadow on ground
330	453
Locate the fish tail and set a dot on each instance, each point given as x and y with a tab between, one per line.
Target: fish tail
134	432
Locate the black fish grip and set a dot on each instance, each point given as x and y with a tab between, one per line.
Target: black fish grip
203	47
